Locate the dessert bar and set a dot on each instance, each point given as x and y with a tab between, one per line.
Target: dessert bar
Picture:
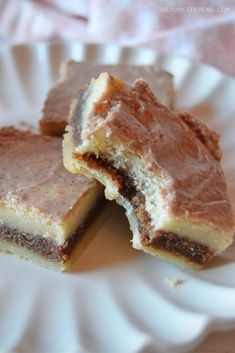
44	209
162	166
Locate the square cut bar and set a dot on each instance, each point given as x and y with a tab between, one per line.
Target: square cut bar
44	209
74	75
162	166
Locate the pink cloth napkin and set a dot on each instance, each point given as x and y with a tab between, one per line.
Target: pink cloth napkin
197	29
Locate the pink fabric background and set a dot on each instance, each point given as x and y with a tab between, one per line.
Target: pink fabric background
176	26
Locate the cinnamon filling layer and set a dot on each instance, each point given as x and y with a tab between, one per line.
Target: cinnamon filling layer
45	247
169	242
180	246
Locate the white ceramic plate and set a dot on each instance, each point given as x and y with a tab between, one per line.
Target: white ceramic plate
117	300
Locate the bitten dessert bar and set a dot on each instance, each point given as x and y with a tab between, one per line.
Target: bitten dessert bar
162	166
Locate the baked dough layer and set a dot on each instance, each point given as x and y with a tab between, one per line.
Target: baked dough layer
47	252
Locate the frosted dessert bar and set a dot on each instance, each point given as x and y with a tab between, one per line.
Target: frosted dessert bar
162	166
44	209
